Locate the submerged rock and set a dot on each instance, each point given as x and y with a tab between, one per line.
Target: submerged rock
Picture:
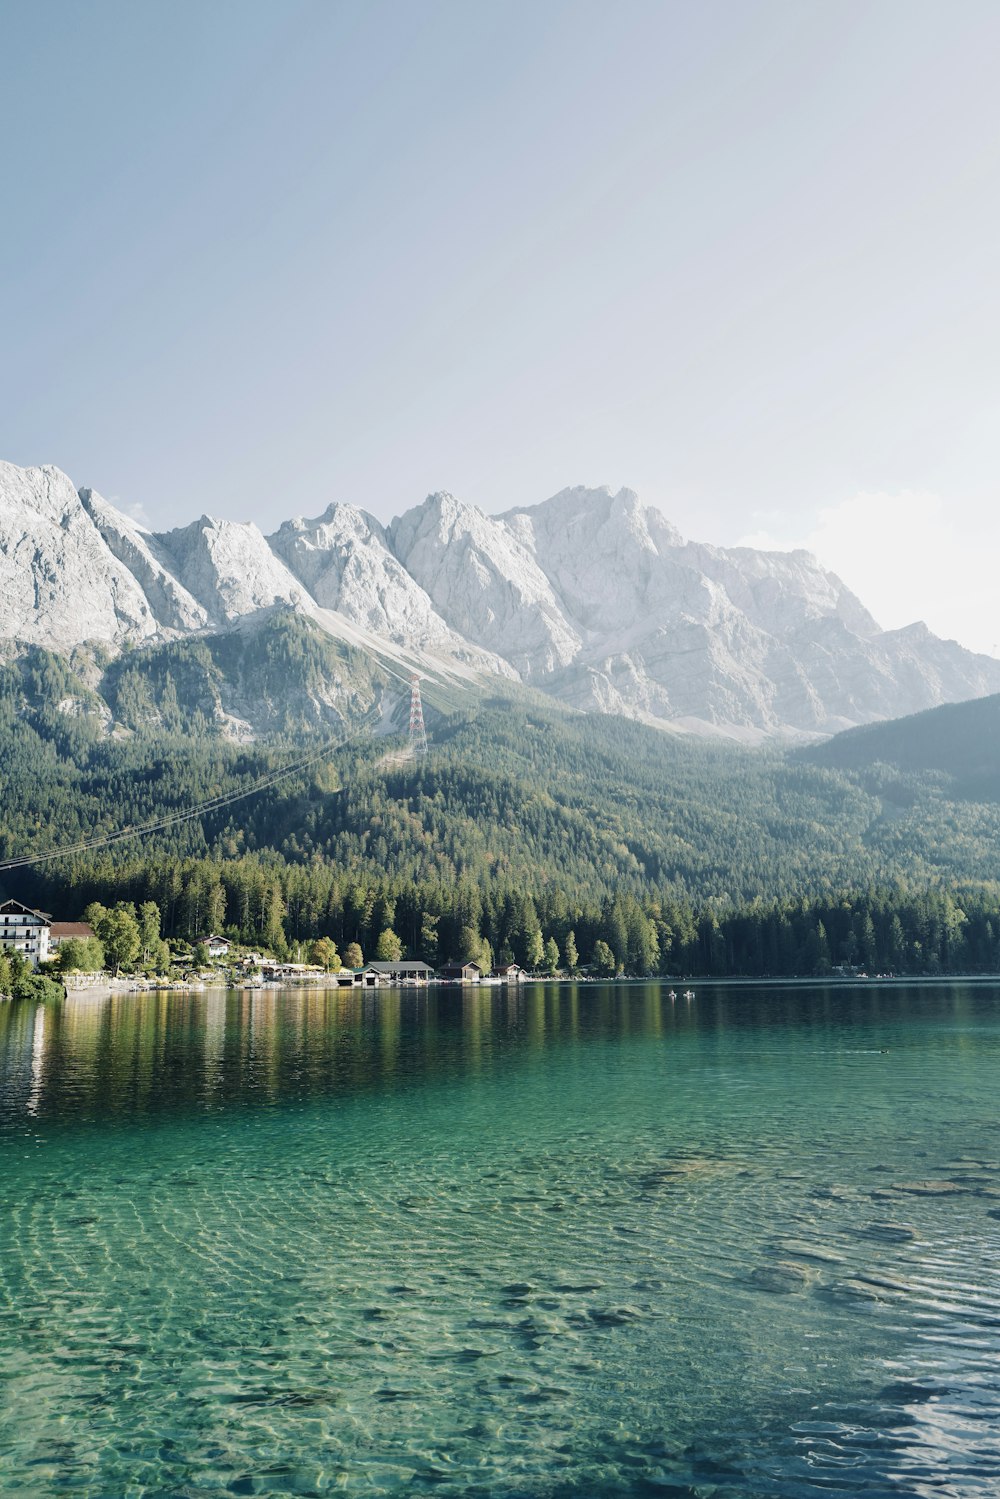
853	1288
885	1283
803	1249
889	1233
944	1188
682	1170
783	1278
614	1316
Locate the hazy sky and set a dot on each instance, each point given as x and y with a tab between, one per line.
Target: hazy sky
255	257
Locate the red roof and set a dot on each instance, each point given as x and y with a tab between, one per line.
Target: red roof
61	929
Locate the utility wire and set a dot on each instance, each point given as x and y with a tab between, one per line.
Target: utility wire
211	805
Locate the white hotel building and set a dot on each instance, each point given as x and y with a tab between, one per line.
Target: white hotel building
25	930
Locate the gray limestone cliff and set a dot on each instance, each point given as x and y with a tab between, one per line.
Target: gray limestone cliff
590	597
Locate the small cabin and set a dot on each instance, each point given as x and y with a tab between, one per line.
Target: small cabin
510	973
461	973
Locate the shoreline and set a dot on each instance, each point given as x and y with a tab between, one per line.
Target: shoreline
98	992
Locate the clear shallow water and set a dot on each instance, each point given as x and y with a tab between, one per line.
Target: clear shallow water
567	1241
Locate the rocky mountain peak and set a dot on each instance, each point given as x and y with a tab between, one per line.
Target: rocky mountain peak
59	581
440	515
173	607
344	560
229	567
483	579
590	596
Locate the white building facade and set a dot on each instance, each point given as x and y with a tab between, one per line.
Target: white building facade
25	931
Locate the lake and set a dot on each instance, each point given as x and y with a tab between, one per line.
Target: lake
569	1240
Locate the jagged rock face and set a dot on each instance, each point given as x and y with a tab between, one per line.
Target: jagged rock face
229	568
172	606
710	637
779	591
485	583
722	638
608	561
60	583
590	596
343	561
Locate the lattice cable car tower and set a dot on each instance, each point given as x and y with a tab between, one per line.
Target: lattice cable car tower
418	734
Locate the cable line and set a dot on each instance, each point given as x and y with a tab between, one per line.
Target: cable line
212	804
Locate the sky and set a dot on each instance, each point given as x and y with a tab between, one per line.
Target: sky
740	257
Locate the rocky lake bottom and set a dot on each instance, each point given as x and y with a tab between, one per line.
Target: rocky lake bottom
547	1242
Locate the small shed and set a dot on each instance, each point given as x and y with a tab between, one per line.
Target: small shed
510	973
462	973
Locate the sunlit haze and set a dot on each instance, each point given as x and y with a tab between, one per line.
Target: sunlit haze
908	556
739	257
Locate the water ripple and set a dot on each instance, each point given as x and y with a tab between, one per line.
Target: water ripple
531	1247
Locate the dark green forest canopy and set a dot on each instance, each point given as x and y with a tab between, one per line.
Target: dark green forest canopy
658	843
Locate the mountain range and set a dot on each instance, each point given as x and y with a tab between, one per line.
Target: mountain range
590	598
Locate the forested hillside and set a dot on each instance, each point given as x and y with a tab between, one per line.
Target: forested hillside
523	825
509	793
959	740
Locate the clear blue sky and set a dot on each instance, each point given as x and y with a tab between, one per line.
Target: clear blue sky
742	257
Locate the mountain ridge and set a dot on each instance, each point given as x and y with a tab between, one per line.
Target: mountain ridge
590	597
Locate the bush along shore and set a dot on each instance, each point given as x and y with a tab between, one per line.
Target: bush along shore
19	981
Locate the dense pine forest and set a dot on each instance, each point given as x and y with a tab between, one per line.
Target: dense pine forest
287	907
549	838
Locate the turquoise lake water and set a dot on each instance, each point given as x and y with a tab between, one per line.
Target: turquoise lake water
565	1241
